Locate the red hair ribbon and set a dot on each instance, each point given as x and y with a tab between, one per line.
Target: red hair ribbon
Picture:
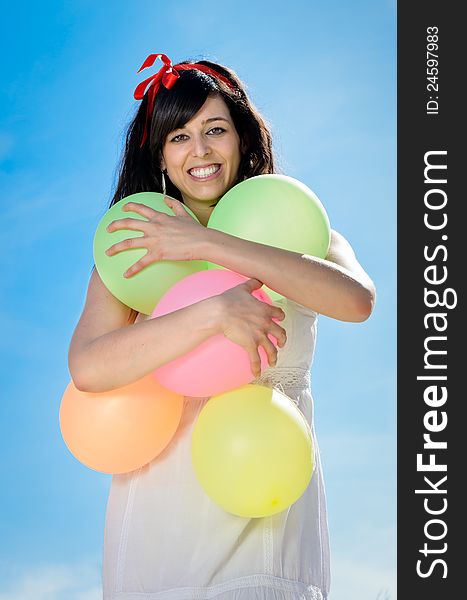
167	76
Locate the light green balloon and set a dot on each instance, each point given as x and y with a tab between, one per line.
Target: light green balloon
142	291
252	451
275	210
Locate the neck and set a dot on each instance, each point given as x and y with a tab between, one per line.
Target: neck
202	210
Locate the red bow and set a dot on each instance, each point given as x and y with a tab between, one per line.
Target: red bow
167	75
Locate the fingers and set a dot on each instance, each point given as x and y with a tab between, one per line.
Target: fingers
136	242
279	334
252	284
176	206
270	349
140	209
137	267
277	313
131	224
255	361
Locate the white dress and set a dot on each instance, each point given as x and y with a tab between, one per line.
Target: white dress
165	539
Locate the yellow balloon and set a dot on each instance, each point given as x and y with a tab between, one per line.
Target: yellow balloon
252	451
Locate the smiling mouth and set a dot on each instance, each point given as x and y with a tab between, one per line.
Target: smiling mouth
204	173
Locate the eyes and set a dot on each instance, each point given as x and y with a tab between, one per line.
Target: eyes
181	137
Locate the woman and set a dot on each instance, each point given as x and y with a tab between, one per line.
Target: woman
195	135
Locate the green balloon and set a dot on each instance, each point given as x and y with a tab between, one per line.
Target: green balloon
275	210
141	291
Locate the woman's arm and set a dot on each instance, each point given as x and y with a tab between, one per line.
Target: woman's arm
108	350
336	286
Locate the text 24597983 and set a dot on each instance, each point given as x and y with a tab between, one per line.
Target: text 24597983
432	70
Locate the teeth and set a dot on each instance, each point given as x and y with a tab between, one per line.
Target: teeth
204	172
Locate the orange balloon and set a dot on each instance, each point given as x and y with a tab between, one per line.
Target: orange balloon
121	430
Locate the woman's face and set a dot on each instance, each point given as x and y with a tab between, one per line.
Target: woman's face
202	158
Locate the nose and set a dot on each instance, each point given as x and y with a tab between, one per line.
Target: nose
200	147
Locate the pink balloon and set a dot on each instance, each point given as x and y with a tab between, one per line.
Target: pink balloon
218	364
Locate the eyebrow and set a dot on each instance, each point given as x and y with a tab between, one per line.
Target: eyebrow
210	120
215	119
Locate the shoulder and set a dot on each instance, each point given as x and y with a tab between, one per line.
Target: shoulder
103	306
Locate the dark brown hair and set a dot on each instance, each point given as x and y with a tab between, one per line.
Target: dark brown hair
140	170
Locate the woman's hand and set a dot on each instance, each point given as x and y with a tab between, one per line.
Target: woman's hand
165	237
248	322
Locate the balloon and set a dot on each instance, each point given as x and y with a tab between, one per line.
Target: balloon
142	291
275	210
252	451
218	364
121	430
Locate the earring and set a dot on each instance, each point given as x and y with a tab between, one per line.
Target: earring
164	188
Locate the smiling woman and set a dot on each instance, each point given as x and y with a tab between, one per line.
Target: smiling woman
202	159
227	127
197	134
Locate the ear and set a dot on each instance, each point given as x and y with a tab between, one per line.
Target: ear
162	163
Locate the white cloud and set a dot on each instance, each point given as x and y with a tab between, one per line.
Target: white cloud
54	582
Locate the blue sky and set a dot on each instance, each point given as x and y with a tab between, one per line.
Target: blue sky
323	74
